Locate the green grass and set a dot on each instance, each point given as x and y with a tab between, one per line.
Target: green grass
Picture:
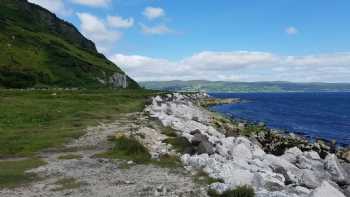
12	173
241	191
66	184
168	161
180	144
253	129
168	131
203	178
36	53
128	148
34	120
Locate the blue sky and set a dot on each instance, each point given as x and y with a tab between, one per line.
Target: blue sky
233	40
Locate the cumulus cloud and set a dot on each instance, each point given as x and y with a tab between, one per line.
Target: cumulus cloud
239	66
119	22
155	30
56	6
152	13
291	30
96	29
93	3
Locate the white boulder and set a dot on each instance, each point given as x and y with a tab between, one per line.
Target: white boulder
326	190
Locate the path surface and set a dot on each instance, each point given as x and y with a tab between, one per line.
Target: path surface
104	177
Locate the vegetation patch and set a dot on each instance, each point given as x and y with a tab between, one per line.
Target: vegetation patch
31	121
168	161
253	129
69	156
168	131
180	144
12	173
203	178
66	184
241	191
128	148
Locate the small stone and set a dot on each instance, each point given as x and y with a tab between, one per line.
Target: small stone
198	138
205	147
130	162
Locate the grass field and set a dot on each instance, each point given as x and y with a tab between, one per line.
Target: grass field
31	121
34	120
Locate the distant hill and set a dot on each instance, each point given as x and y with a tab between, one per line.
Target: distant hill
223	86
40	50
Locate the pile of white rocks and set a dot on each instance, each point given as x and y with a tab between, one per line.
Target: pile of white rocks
238	161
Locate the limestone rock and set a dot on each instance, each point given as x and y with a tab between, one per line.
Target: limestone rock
334	168
205	147
326	190
309	180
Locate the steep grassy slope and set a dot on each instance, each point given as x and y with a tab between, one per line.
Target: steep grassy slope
38	50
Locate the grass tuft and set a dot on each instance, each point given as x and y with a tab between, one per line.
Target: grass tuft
168	161
203	178
170	132
180	144
241	191
128	148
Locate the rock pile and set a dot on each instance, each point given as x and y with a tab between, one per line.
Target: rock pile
238	161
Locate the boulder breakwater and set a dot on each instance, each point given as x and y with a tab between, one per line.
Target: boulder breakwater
235	154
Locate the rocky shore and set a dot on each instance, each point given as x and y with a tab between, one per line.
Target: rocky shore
236	154
192	152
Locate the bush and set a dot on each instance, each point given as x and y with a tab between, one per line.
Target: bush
241	191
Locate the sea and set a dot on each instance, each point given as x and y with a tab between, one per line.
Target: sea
324	115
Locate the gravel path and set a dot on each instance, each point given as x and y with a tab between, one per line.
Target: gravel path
91	176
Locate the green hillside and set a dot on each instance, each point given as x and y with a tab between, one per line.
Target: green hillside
40	50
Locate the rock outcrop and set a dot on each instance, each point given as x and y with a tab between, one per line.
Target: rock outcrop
118	80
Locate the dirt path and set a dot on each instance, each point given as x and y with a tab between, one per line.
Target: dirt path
84	175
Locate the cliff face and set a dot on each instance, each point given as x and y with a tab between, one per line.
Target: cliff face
39	49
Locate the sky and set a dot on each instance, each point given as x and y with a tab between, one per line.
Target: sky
217	40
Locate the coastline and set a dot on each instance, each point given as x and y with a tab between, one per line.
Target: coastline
242	154
187	150
311	137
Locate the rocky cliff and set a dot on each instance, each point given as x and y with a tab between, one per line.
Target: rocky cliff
40	50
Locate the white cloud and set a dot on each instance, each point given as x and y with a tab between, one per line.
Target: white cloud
119	22
239	66
155	30
153	12
93	3
56	6
291	30
96	30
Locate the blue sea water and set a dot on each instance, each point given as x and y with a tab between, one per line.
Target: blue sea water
314	115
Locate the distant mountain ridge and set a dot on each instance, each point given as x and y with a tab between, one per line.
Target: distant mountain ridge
40	50
225	86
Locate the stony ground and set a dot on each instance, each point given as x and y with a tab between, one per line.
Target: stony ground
83	174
